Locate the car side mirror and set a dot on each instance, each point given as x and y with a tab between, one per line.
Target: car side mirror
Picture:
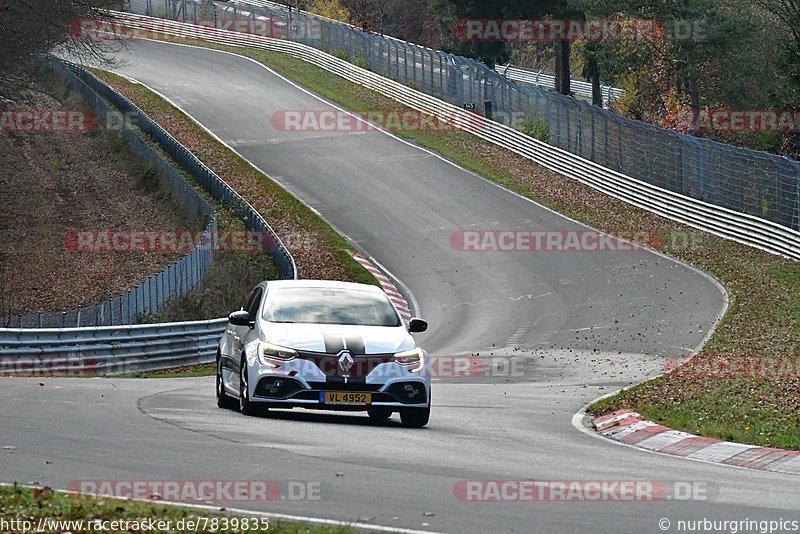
241	318
416	325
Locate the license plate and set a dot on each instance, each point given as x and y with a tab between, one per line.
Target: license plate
346	397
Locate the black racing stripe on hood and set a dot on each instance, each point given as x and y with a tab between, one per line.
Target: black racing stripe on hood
333	344
355	344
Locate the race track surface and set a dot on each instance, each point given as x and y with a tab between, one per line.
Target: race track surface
583	324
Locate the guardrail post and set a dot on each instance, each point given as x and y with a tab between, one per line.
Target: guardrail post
63	319
39	314
77	318
136	302
111	311
149	295
405	64
796	214
158	298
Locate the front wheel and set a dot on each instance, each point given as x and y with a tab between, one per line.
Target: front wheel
415	417
223	400
245	405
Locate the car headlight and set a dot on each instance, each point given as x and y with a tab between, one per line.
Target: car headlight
268	351
411	358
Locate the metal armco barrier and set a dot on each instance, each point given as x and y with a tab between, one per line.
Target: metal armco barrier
548	81
741	227
107	350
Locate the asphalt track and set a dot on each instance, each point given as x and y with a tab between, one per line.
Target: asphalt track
584	324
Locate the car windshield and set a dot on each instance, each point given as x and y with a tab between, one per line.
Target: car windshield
329	306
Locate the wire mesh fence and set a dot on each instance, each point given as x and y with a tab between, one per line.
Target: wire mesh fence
747	181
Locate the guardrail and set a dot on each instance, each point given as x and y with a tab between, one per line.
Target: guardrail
539	79
750	230
107	351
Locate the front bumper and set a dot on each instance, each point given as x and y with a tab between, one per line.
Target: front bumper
302	383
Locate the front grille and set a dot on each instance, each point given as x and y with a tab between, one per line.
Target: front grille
341	386
362	365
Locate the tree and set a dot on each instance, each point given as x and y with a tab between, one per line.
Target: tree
497	51
700	53
332	9
785	19
29	29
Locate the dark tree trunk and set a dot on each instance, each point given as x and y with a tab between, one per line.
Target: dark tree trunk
594	74
558	67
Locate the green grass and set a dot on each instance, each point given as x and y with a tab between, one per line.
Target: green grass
207	369
20	503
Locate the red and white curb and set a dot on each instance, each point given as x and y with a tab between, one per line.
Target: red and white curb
627	426
388	286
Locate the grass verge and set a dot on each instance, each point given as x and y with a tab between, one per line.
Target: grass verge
37	505
58	183
762	322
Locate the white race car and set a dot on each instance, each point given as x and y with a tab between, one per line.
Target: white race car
323	345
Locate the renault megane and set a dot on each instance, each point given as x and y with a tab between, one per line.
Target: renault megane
323	345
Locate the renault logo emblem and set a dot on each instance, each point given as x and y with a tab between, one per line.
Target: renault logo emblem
345	361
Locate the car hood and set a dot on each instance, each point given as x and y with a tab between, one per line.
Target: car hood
333	338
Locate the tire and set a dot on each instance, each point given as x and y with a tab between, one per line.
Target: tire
379	414
245	405
223	400
415	417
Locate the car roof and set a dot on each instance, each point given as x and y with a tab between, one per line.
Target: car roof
327	284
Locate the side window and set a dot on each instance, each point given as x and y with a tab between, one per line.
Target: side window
254	302
249	300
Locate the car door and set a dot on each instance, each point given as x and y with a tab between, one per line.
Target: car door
231	334
241	335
